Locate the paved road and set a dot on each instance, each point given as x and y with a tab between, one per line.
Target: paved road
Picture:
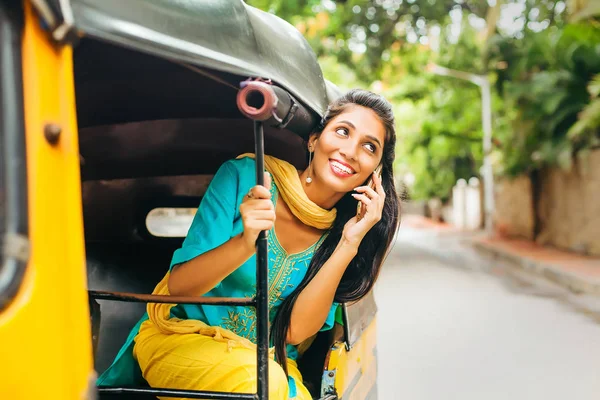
479	331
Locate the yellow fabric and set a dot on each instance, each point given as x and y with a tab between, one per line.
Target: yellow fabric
198	362
288	183
159	314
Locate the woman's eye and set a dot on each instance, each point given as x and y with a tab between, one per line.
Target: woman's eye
370	147
342	131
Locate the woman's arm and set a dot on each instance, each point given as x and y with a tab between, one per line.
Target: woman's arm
203	272
314	302
199	275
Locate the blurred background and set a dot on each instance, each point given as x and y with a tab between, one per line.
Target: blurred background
493	288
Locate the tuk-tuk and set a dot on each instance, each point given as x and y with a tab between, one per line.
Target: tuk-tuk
115	113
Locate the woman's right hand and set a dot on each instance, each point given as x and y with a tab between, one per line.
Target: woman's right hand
258	212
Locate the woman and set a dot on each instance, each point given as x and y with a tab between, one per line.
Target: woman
320	254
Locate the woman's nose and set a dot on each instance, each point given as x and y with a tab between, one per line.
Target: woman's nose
349	151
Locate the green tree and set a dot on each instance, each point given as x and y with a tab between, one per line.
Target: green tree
587	127
439	119
541	62
363	33
545	80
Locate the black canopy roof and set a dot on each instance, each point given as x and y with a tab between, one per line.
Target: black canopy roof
223	35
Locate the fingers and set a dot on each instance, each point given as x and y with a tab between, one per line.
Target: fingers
369	192
257	210
378	192
261	215
257	204
258	192
378	185
363	198
255	223
267	184
261	225
372	198
256	220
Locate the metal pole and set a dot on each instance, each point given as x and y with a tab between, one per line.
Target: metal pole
262	275
486	115
487	173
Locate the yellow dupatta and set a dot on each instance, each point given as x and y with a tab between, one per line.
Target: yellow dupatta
288	183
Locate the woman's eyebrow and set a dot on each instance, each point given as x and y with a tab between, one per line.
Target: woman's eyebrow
370	137
373	138
348	123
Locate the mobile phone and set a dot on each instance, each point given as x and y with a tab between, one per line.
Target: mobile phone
360	206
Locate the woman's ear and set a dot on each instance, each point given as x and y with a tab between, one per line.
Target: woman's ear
312	141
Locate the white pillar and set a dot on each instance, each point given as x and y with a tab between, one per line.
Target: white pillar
473	205
459	203
487	173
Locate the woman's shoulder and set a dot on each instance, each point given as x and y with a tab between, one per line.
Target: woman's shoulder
236	173
245	165
242	170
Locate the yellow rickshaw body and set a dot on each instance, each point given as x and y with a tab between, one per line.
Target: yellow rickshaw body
45	331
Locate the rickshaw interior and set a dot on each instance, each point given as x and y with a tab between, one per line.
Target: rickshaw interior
152	134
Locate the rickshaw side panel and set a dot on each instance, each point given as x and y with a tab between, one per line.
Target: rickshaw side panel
351	365
353	372
358	317
45	331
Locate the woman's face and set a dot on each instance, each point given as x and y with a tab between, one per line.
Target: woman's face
348	150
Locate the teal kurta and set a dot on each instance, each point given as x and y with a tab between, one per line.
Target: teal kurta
217	220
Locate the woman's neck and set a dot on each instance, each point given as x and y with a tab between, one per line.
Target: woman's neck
318	194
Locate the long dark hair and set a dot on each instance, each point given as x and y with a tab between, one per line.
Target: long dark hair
362	272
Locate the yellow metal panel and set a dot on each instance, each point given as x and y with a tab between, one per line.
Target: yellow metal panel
356	370
45	332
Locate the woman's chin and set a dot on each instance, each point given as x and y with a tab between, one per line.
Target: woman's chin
337	184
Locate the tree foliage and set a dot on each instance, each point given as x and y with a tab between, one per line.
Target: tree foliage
546	81
541	55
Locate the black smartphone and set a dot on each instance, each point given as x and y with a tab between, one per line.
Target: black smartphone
360	207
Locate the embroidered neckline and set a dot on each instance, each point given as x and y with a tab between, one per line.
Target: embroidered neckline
274	240
242	320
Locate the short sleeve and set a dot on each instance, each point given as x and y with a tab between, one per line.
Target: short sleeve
330	320
213	223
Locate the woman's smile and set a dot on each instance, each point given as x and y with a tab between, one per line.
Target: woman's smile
341	169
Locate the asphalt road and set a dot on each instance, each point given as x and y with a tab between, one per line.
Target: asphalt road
480	331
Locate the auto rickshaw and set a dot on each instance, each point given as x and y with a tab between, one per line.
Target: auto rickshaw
114	112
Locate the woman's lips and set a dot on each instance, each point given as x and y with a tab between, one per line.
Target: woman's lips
340	169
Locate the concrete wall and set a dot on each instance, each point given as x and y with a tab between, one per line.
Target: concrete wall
514	214
568	210
569	207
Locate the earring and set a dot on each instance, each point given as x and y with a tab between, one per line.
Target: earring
308	178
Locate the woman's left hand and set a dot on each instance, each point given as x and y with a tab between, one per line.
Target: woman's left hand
373	200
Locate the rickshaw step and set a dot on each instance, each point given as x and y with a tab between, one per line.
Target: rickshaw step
154	298
107	393
151	393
